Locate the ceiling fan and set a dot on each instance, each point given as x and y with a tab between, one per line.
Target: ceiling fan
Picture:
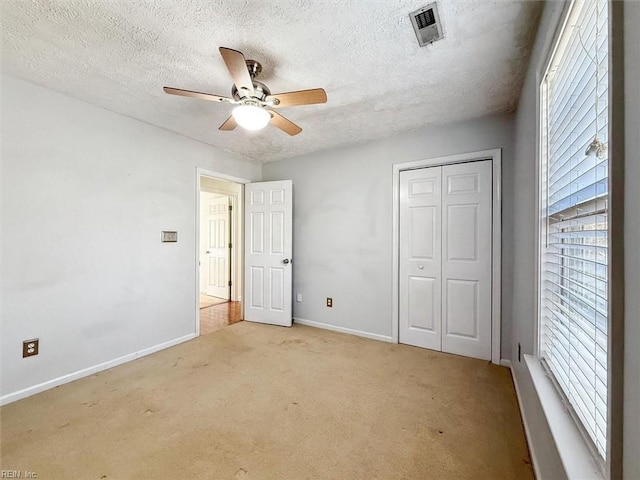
254	101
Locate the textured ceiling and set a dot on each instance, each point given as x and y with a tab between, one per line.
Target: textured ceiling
118	54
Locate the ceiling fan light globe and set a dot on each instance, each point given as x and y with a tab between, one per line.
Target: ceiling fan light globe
251	117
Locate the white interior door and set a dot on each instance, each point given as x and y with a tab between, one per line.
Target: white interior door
466	259
445	258
420	258
268	252
214	214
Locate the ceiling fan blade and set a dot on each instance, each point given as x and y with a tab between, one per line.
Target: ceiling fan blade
284	124
202	96
229	124
237	66
301	97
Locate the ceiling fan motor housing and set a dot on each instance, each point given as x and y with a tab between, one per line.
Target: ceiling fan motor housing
261	92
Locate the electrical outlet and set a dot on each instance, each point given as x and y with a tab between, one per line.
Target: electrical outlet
30	347
329	302
299	297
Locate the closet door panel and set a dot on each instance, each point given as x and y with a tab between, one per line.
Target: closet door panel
466	259
420	253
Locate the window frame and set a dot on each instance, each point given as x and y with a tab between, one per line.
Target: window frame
611	467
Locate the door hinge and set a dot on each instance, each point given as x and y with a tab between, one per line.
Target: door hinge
229	245
229	282
230	207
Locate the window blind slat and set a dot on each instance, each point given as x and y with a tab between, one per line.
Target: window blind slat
562	335
562	292
579	118
586	261
589	192
576	181
549	265
563	175
584	290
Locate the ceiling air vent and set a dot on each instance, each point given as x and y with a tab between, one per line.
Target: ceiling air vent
426	23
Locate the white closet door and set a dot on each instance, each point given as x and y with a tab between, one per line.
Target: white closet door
445	258
420	257
466	259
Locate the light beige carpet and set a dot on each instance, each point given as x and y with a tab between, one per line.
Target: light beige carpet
260	402
209	301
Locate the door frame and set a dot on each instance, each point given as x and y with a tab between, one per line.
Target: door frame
495	155
237	203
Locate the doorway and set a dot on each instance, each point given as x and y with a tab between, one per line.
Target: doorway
268	245
446	260
219	225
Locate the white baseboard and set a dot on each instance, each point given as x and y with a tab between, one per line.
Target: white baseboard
70	377
350	331
505	363
527	430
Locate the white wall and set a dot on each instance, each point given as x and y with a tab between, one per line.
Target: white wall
342	220
85	194
524	247
524	271
631	432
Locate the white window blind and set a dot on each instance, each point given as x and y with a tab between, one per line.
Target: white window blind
575	235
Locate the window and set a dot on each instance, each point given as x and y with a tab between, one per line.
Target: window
574	217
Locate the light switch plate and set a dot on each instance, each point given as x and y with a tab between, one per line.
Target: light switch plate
169	236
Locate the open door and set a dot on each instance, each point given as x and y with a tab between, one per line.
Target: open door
268	252
214	245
